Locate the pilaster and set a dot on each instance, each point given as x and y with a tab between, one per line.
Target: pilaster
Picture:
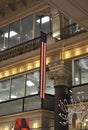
56	23
59	74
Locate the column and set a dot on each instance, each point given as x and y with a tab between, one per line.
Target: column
56	23
59	74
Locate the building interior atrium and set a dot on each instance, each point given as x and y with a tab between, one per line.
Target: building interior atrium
65	106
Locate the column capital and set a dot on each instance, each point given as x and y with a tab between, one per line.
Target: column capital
55	13
59	73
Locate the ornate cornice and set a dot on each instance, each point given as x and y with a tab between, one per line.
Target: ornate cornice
20	49
58	73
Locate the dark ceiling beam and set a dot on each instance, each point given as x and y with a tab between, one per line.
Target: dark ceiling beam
2	12
24	2
12	6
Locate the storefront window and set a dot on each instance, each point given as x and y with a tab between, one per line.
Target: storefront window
37	27
27	29
46	24
32	84
4	90
24	85
14	34
3	38
81	71
18	87
49	85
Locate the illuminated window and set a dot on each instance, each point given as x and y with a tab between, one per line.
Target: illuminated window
81	71
14	34
4	90
3	38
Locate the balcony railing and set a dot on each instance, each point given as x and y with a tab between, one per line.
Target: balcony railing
20	49
28	103
78	93
71	30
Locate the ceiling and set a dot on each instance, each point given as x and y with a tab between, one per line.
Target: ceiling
74	9
14	5
11	10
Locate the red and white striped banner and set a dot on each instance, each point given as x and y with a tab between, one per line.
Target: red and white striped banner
42	66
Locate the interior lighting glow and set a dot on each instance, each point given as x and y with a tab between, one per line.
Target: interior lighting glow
48	60
6	128
14	71
0	75
67	55
84	124
13	96
77	52
55	34
44	20
7	73
76	79
37	64
4	47
35	125
12	33
29	66
21	69
34	93
30	83
86	119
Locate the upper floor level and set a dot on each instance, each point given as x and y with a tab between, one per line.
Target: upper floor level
29	26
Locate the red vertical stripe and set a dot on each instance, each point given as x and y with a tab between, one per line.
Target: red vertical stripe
42	69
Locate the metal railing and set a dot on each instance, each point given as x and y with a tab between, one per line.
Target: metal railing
20	49
71	30
78	93
28	103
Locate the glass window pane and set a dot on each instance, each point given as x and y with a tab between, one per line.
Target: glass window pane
26	28
45	24
83	63
49	85
3	38
14	34
18	87
37	27
77	76
66	21
4	90
32	83
81	71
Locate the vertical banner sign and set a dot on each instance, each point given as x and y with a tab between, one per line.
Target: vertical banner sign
42	65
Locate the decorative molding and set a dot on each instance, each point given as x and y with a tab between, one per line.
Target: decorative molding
20	49
58	73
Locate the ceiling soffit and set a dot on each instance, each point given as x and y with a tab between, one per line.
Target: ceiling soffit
76	10
11	10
